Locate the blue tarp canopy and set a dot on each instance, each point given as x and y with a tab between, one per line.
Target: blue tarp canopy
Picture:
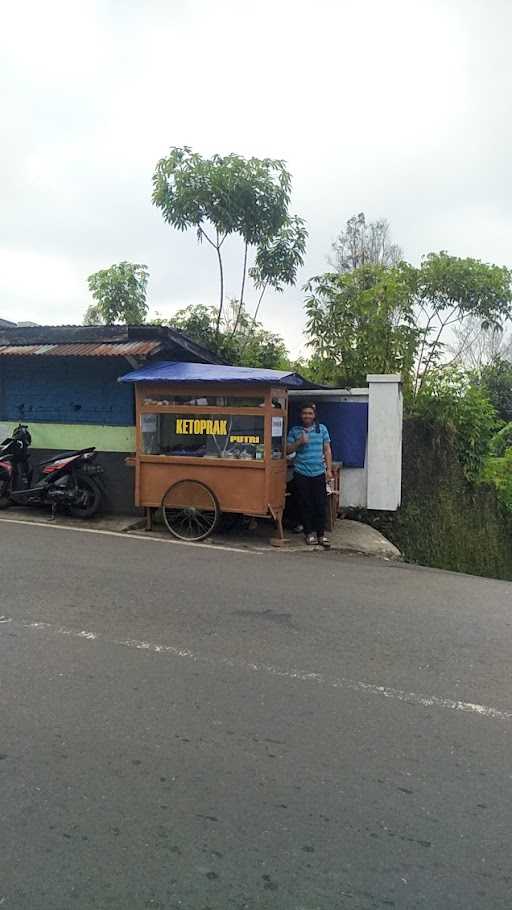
170	371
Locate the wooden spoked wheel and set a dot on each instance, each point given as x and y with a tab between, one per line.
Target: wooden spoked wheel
190	510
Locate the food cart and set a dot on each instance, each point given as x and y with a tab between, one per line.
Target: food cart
210	439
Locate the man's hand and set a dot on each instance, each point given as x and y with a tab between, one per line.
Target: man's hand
329	475
303	440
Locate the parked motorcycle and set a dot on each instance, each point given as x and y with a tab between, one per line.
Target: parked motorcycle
69	479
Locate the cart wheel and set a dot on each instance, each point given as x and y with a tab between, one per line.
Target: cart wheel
190	510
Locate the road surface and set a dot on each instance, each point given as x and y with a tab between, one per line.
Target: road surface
183	727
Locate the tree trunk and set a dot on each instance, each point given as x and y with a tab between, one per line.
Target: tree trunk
221	302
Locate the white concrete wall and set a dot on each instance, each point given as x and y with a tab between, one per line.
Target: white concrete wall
378	484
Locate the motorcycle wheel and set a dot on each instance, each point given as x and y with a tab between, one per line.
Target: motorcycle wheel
92	501
4	494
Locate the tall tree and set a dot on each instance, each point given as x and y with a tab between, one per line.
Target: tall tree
451	290
363	243
390	319
120	295
361	321
231	195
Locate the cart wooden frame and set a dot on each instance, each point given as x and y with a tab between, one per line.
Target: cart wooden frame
249	487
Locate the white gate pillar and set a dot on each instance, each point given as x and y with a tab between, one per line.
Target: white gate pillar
384	459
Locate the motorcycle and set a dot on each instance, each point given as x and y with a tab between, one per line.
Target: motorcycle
69	479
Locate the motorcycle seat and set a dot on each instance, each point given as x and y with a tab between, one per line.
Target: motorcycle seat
66	455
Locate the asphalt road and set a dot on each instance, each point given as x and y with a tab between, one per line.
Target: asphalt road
184	727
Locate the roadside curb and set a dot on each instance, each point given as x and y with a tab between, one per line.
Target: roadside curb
373	545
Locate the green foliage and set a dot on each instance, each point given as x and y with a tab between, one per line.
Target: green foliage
449	290
279	255
120	295
501	441
470	286
497	468
498	472
231	195
496	379
249	345
258	347
361	322
448	398
444	521
198	322
387	318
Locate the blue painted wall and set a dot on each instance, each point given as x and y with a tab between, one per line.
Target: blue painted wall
347	422
65	390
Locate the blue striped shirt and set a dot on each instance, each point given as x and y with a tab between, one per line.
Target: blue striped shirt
309	459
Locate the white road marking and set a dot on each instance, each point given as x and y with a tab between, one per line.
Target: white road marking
411	698
124	535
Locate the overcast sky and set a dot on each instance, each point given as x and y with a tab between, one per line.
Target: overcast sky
399	108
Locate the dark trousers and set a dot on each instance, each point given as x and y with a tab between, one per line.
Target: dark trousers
312	498
292	512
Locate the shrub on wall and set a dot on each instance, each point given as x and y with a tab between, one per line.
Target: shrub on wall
445	521
449	401
497	471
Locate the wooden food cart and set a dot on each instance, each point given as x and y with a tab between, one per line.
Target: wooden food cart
210	439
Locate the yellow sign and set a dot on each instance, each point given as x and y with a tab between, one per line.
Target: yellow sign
186	426
245	439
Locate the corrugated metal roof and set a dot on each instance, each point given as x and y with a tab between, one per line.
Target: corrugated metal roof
120	349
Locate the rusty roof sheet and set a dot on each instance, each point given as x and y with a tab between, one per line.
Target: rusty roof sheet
119	349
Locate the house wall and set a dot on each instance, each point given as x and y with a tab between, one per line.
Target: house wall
73	403
66	390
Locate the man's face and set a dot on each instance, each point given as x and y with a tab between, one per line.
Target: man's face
308	417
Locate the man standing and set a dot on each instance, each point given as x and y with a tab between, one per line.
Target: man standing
313	468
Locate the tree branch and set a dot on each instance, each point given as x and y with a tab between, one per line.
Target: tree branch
254	318
443	325
241	301
205	235
423	344
253	323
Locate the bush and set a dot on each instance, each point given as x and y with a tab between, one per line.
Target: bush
498	472
448	398
496	380
502	441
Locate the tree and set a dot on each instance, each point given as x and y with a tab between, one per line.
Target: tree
361	321
364	243
231	195
120	295
449	397
390	318
198	322
495	379
475	347
248	345
451	290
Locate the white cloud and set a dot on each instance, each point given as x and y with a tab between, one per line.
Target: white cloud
398	109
